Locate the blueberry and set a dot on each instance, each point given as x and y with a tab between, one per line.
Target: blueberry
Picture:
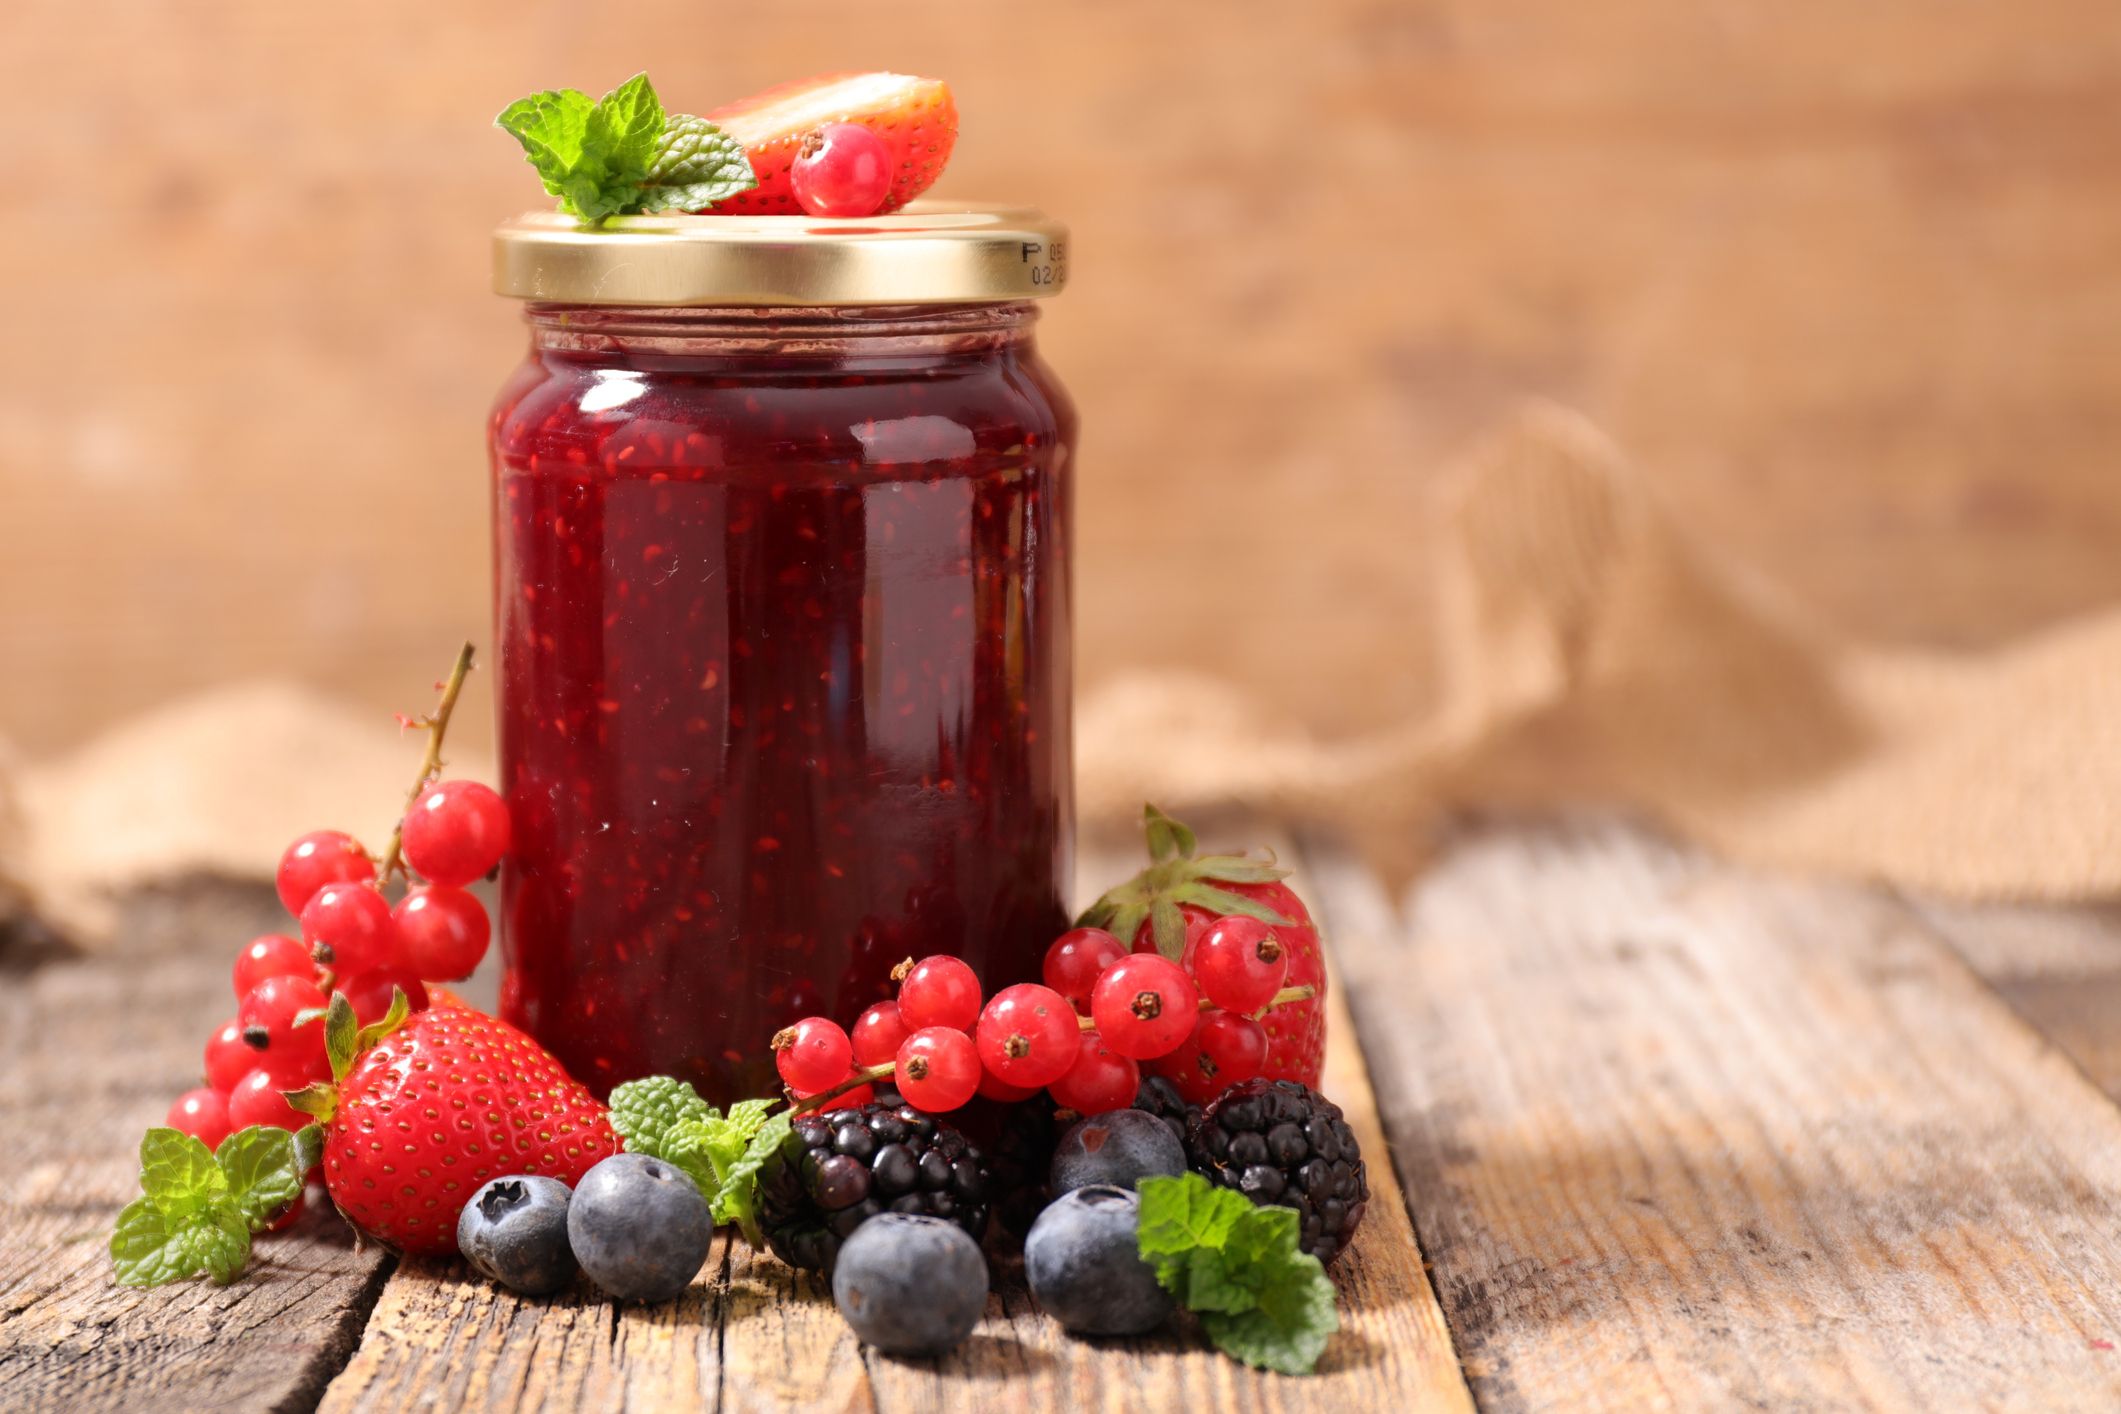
1119	1148
1083	1260
514	1231
910	1285
639	1228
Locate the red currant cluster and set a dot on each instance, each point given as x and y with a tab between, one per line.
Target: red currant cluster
1083	1036
353	942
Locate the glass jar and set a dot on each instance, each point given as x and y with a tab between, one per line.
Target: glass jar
782	617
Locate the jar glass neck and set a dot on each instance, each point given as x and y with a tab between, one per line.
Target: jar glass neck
749	332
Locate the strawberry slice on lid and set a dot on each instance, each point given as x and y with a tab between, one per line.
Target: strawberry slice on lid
916	118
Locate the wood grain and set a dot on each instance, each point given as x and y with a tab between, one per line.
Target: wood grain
2059	968
1679	1138
754	1335
91	1053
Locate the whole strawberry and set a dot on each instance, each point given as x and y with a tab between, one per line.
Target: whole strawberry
423	1111
1167	906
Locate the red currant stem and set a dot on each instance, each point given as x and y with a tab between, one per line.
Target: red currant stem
1287	996
430	764
853	1082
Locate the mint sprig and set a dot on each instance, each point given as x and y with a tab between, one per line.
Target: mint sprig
1259	1296
622	153
198	1207
722	1153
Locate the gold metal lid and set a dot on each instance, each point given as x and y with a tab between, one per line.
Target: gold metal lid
928	253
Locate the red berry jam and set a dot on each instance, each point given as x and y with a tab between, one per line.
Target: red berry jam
782	601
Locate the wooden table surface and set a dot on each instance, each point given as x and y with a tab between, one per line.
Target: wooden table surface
1671	1135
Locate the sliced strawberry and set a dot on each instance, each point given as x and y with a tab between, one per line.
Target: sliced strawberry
916	118
1167	906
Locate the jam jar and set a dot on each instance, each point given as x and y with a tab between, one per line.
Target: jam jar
781	517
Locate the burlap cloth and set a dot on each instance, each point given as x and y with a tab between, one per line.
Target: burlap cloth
1588	654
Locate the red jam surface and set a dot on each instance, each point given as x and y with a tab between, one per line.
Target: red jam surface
782	605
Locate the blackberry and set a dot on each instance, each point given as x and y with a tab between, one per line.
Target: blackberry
1158	1096
1022	1153
1276	1141
838	1170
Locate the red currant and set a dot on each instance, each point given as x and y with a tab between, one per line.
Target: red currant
1145	1005
455	832
1077	959
812	1055
203	1114
349	929
318	858
1101	1079
257	1099
1183	1068
1233	1044
1239	963
267	1016
842	169
1223	1050
939	991
877	1033
228	1057
443	931
273	955
938	1069
369	993
1027	1035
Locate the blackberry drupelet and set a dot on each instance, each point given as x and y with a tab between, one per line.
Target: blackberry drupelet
1276	1141
1021	1153
838	1170
1158	1096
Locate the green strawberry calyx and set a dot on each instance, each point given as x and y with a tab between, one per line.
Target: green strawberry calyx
345	1041
1177	876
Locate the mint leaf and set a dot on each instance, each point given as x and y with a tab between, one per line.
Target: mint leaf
1181	1215
623	153
551	126
1261	1236
685	1148
152	1248
1259	1296
264	1172
645	1112
1209	1286
178	1173
621	134
738	1200
1286	1333
192	1214
222	1241
696	165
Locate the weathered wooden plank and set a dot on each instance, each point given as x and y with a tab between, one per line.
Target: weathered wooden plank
754	1335
1677	1137
2058	967
91	1052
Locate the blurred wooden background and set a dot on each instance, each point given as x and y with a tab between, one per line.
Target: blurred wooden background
1846	278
